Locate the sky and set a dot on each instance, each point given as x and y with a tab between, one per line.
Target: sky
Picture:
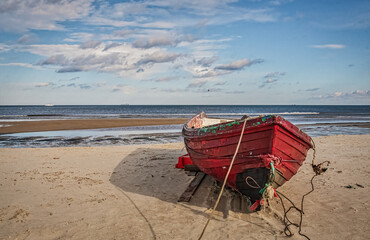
184	52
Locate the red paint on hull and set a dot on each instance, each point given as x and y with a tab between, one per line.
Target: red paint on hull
265	139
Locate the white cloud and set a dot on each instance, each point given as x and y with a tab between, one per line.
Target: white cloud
27	38
206	62
153	42
280	2
26	65
268	81
90	44
44	84
345	95
274	74
158	57
166	79
238	65
125	89
20	16
271	77
330	46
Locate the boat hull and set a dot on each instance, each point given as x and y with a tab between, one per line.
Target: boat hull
266	139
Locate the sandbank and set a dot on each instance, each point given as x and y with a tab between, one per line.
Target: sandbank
75	124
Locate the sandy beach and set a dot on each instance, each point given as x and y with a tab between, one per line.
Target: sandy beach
75	124
131	192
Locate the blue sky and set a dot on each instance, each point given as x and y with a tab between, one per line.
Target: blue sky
184	52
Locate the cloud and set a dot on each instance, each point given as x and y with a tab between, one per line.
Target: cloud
153	42
125	89
79	37
44	84
27	65
238	65
161	79
166	79
196	84
58	59
20	16
220	83
70	79
159	41
345	95
159	57
268	81
4	47
74	85
235	92
71	85
201	68
280	2
123	33
206	62
274	75
69	70
74	78
207	73
312	89
84	86
271	77
27	38
330	46
90	44
112	45
91	62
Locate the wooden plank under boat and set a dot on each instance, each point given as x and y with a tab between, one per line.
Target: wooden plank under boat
267	140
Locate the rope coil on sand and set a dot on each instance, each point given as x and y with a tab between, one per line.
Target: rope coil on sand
318	169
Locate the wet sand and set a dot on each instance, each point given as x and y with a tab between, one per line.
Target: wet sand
79	124
131	192
75	124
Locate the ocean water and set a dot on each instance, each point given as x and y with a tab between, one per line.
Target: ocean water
314	120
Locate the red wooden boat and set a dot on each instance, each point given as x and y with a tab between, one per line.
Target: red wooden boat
268	142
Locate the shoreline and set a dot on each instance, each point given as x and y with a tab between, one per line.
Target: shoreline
131	192
9	127
80	124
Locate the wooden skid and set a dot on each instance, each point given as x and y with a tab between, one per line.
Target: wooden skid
193	186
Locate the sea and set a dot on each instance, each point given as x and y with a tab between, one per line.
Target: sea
315	120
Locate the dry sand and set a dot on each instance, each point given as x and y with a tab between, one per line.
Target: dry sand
131	192
74	124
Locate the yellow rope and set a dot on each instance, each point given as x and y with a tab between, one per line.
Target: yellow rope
224	183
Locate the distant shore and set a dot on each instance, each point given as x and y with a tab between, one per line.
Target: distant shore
78	124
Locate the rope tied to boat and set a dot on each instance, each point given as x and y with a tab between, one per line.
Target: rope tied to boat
318	169
268	185
267	192
224	183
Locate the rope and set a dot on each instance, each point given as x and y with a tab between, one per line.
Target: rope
224	183
257	185
318	169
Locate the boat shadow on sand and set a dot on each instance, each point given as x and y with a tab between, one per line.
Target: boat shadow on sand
151	172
